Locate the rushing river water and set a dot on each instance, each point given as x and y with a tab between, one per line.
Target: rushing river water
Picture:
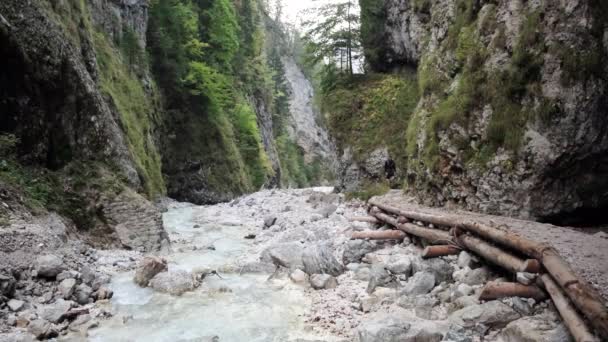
237	307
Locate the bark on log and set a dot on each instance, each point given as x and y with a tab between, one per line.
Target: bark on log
379	235
493	254
433	236
571	318
584	297
495	290
368	219
437	251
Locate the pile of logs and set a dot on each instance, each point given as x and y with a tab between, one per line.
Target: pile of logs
449	234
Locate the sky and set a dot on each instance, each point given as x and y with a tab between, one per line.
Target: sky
292	8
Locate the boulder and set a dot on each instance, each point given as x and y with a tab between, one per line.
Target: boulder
66	287
421	283
83	294
146	270
175	282
478	276
327	210
323	282
493	314
393	328
269	221
103	293
299	277
535	329
320	259
49	266
363	274
41	329
399	264
15	305
378	276
288	255
55	312
7	285
461	290
355	250
438	266
465	260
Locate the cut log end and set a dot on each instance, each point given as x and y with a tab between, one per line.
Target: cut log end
438	251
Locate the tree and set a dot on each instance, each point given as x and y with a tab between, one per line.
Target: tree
334	34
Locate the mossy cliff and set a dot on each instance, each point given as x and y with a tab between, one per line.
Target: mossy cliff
510	113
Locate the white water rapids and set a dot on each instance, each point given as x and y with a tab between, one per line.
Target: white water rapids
240	307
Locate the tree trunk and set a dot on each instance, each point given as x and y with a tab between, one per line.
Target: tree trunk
368	219
437	251
571	318
495	290
433	236
379	235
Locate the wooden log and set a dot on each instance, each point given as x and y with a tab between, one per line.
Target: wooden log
571	318
379	235
437	251
493	254
368	219
584	297
433	236
497	290
532	266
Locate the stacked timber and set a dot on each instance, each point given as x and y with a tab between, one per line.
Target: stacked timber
449	234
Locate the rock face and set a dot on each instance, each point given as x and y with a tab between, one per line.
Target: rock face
533	146
64	119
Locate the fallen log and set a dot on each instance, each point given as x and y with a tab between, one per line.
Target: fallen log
494	254
368	219
583	296
433	236
437	251
379	235
571	318
497	290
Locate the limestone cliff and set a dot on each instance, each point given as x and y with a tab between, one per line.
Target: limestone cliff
512	114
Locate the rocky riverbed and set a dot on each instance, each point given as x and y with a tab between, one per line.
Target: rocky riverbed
272	266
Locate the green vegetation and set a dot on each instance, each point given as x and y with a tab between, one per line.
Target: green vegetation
371	111
369	190
373	19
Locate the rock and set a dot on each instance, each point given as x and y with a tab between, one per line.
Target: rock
320	259
15	305
478	276
399	264
40	328
363	274
421	283
175	282
103	293
7	285
439	267
388	328
525	278
522	306
457	333
83	293
379	276
66	275
288	255
323	281
465	301
465	260
49	266
493	313
461	291
327	210
355	250
147	269
299	277
316	217
269	221
66	287
535	329
55	312
423	306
